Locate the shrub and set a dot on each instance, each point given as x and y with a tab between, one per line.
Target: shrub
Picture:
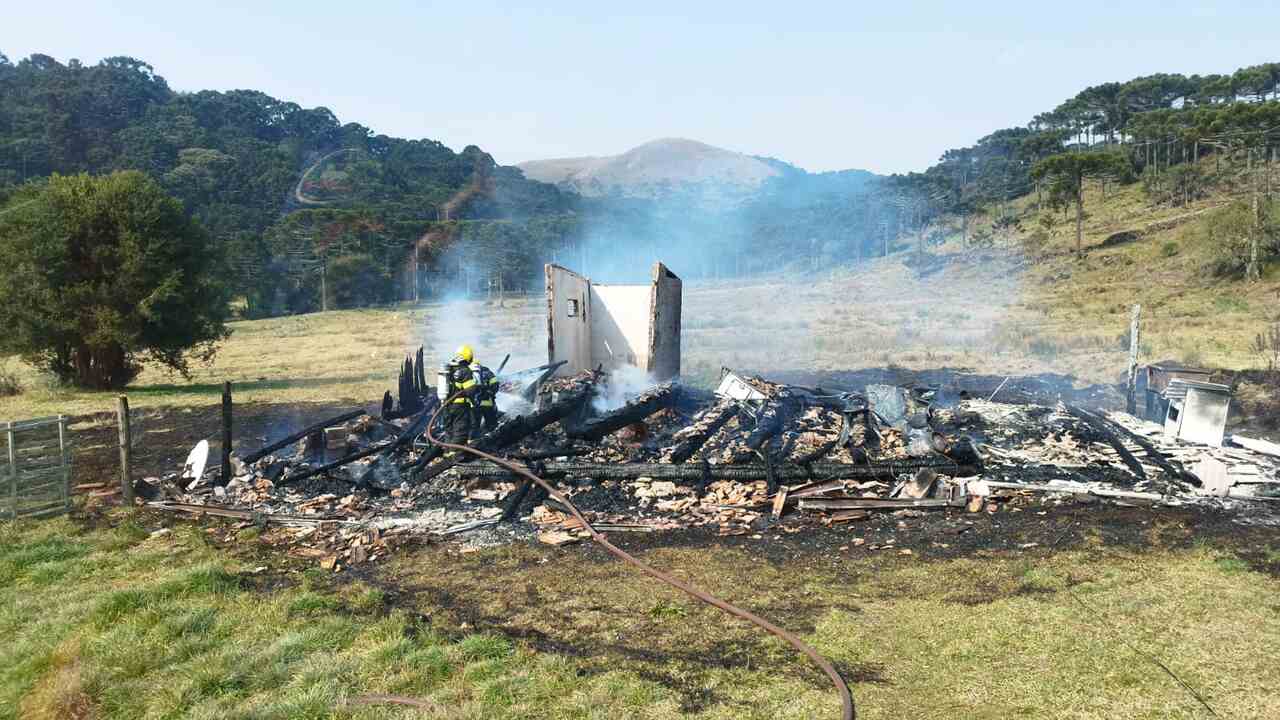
1229	232
9	383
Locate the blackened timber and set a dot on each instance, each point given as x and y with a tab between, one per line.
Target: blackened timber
772	421
743	472
421	376
706	425
818	452
514	429
648	403
703	428
552	452
262	452
415	428
770	475
867	504
1153	454
1101	427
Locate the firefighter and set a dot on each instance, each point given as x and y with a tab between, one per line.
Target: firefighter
461	392
486	399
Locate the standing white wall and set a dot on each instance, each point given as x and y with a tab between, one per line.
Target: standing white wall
568	319
614	326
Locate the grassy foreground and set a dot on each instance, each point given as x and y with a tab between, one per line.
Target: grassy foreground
110	622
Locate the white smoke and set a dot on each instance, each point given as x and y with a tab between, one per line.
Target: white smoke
621	387
512	404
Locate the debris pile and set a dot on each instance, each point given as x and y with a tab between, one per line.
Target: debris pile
752	454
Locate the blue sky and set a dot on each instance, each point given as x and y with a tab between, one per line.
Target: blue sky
825	85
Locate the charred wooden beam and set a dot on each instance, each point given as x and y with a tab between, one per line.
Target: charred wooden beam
262	452
413	430
421	376
552	452
707	424
512	430
648	403
868	504
704	478
744	472
770	474
818	453
772	421
250	515
1153	454
1100	426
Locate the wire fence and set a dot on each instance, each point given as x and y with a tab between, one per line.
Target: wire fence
37	470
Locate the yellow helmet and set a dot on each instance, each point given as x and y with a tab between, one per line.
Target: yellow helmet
465	354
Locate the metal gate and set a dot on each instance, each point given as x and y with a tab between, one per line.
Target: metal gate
36	475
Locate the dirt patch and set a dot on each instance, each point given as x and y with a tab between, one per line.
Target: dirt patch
59	694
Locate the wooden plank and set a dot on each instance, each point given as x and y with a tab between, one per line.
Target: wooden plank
779	501
225	476
848	515
1069	487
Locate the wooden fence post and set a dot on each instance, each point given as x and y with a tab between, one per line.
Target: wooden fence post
62	460
1131	402
226	432
13	469
126	440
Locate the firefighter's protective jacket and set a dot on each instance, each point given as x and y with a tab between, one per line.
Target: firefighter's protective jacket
487	382
463	385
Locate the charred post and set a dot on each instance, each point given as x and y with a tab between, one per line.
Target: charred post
648	403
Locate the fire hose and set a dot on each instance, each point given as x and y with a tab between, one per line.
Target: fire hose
846	698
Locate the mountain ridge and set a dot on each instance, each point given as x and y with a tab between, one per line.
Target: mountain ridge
660	166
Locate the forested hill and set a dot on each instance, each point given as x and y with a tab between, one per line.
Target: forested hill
235	158
294	195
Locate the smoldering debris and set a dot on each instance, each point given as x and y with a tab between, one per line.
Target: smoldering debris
754	454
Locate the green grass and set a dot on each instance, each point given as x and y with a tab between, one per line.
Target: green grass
104	624
110	623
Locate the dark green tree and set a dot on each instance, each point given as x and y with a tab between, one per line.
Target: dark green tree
1069	172
102	274
357	280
